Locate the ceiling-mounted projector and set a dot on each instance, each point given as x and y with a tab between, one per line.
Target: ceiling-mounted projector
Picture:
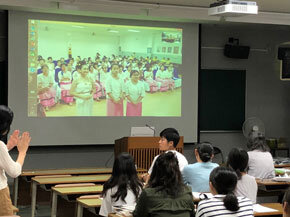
232	8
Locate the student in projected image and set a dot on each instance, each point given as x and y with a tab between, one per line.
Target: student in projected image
46	91
50	64
83	89
151	85
77	72
165	79
104	74
135	92
115	93
65	81
155	75
93	74
125	75
172	73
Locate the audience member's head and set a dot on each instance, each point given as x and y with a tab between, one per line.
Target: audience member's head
169	139
204	152
223	181
6	118
166	175
257	141
286	203
238	160
124	175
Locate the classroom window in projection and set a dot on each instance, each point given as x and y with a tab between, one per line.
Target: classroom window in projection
89	69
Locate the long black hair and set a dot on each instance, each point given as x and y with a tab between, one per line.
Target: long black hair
238	160
124	176
224	180
6	118
166	175
257	141
205	151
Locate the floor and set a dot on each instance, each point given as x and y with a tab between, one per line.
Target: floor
42	211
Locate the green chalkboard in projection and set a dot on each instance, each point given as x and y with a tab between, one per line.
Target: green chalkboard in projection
222	96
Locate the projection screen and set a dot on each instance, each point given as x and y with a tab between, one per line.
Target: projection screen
84	80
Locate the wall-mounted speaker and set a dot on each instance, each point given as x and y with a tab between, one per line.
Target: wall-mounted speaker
283	52
236	51
285	70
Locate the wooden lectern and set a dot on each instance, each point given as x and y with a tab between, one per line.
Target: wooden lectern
143	149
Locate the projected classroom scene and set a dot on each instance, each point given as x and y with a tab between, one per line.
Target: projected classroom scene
86	69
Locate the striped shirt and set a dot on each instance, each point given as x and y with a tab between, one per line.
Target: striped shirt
214	207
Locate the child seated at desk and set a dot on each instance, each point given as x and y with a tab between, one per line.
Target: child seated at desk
247	186
166	195
224	203
197	175
169	139
261	163
123	187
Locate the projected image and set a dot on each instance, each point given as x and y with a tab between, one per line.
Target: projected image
85	69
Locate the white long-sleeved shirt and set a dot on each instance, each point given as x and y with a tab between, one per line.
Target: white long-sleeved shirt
7	165
261	164
109	203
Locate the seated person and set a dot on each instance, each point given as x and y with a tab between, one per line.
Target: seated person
197	175
224	203
123	187
260	159
247	186
169	139
286	204
166	194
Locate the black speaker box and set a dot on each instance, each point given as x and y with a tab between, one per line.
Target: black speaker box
283	52
236	51
285	72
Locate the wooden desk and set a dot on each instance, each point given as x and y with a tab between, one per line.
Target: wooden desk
11	216
270	185
28	174
87	203
69	191
276	206
49	182
281	165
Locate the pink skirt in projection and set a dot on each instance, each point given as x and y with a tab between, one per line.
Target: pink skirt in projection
164	84
98	93
114	109
153	86
134	109
47	98
65	88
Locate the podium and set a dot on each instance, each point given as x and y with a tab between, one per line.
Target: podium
143	149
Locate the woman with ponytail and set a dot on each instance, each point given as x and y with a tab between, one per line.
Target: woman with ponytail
224	203
247	186
197	175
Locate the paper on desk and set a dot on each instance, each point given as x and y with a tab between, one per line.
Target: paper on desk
260	208
198	195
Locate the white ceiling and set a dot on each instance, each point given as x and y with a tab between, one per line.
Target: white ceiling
270	11
281	6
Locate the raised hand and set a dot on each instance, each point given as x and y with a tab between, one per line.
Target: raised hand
24	142
13	140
